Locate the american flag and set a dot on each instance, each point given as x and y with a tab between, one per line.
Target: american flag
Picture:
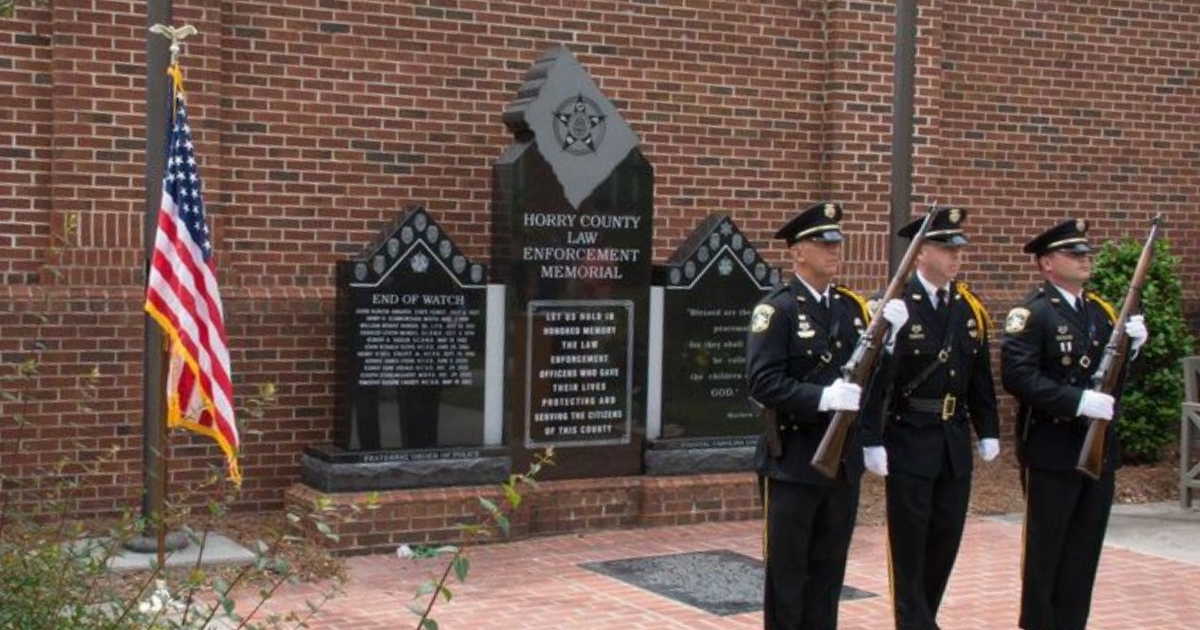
182	297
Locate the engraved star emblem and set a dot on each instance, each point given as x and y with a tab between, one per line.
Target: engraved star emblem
420	263
580	119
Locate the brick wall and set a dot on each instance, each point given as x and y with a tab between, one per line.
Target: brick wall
316	121
380	522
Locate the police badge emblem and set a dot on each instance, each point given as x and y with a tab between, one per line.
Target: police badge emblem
579	125
760	320
1016	320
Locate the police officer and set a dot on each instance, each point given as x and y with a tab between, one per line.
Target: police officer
917	421
800	334
1053	343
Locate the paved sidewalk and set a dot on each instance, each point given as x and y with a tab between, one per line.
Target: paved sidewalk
539	584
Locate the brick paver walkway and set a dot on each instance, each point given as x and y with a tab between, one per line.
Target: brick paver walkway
537	583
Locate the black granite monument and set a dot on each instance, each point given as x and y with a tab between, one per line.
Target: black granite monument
710	286
411	321
572	228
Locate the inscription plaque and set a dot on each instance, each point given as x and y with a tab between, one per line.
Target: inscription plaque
580	387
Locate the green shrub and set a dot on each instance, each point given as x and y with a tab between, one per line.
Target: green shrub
1150	405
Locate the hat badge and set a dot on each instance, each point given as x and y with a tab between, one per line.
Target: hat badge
1081	225
830	210
955	215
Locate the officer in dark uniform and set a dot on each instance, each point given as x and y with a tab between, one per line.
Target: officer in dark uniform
801	333
917	421
1053	343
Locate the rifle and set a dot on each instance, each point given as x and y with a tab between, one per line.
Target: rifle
828	456
1107	377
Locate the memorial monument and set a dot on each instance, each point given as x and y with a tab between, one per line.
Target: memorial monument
572	239
411	345
700	418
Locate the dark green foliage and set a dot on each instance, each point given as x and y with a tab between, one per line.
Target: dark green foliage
1149	416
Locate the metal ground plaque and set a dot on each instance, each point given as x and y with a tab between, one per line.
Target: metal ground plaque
719	582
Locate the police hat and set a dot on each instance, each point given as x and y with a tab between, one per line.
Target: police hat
946	227
1069	235
818	223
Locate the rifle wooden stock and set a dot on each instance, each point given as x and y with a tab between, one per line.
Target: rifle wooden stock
1107	378
828	457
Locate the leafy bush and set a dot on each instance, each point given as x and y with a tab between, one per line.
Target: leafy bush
1150	405
54	568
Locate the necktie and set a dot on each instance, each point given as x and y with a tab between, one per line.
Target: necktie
821	303
1078	305
940	299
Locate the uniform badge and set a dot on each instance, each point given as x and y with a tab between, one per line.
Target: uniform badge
1016	320
1066	360
761	319
916	332
804	329
1085	361
1062	329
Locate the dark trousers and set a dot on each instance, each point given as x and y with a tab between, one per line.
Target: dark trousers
925	524
807	541
1066	515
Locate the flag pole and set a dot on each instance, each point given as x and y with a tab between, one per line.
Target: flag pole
154	425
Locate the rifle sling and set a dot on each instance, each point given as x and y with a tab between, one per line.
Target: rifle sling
826	359
943	356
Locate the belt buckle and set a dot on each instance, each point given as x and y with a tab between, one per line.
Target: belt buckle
949	404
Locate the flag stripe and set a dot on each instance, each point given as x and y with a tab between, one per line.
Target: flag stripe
200	338
178	306
198	323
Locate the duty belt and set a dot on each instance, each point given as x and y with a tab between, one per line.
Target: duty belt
943	407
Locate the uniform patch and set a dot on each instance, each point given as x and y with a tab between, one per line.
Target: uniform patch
1016	320
761	319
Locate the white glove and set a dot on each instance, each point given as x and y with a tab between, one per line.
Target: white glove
875	457
1095	405
1136	329
989	448
896	314
840	396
